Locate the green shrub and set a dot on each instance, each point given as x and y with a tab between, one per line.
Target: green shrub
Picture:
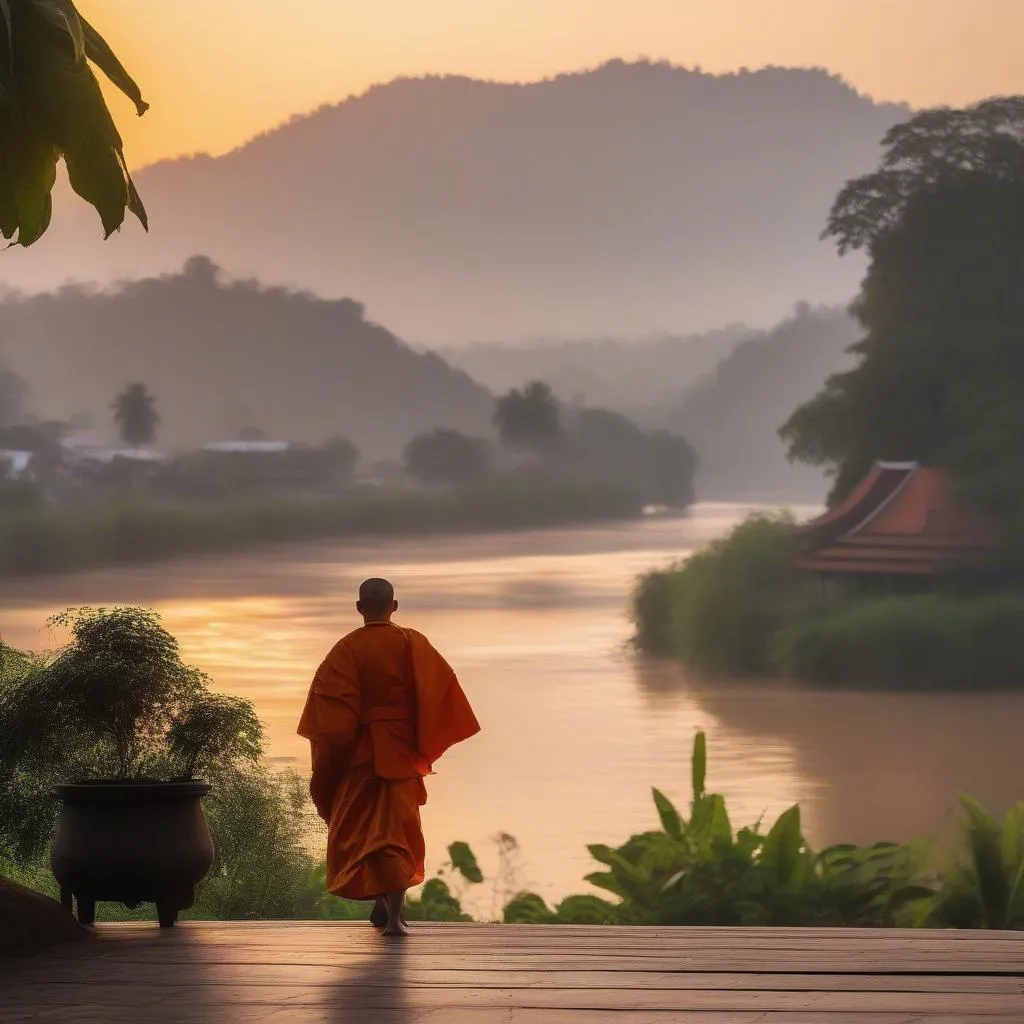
697	871
928	641
528	908
720	609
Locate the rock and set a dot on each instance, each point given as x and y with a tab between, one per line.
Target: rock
30	921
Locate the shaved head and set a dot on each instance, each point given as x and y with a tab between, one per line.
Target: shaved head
376	599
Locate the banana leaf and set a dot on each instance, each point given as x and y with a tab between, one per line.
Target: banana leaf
51	108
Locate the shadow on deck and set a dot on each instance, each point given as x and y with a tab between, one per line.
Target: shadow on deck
302	973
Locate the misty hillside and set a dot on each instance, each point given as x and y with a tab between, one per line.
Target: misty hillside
628	199
611	373
221	357
732	415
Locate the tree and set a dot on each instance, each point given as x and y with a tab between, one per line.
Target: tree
51	107
941	364
529	419
136	415
341	457
12	397
673	466
446	457
934	149
661	466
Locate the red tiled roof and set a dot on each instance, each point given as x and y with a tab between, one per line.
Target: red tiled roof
900	520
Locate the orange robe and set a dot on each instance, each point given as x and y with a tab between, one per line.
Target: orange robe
383	707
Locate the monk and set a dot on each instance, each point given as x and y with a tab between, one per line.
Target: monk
383	707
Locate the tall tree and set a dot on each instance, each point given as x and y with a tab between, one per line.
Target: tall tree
529	419
940	367
136	415
51	107
446	457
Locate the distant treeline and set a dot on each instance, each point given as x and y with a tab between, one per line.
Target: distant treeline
66	539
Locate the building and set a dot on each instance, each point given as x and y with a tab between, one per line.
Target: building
900	522
247	447
15	464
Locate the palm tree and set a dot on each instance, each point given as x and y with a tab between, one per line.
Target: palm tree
51	107
136	415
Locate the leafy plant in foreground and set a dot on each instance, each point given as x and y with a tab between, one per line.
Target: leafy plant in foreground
987	889
116	702
696	870
51	106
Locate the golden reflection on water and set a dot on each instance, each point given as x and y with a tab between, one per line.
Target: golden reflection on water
575	730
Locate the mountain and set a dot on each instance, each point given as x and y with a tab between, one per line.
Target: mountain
732	416
613	373
614	202
223	356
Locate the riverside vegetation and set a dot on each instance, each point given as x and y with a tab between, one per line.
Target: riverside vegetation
551	467
740	607
694	868
935	380
124	530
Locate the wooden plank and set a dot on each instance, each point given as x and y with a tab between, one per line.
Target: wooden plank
355	1015
325	975
298	973
736	963
352	993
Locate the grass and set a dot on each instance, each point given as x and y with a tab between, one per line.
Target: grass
69	539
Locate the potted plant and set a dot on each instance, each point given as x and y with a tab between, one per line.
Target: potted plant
113	731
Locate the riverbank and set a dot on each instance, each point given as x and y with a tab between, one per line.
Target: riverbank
741	607
72	539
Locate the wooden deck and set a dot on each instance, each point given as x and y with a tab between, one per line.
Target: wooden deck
478	974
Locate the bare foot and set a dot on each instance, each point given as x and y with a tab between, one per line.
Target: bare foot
379	914
394	903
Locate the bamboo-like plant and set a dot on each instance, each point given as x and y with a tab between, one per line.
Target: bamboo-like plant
116	702
51	107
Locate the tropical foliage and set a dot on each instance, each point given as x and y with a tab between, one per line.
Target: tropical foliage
940	365
51	107
115	702
697	870
740	607
720	609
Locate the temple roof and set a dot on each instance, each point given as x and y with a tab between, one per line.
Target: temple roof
901	519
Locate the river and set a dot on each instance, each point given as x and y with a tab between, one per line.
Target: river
575	729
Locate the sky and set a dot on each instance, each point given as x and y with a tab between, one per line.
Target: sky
218	72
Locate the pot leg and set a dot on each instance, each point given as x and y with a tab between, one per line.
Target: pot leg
86	911
167	914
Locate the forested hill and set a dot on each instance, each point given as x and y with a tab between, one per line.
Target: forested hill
615	202
733	414
222	356
617	373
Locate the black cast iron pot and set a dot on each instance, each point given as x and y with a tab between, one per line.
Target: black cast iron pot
131	843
